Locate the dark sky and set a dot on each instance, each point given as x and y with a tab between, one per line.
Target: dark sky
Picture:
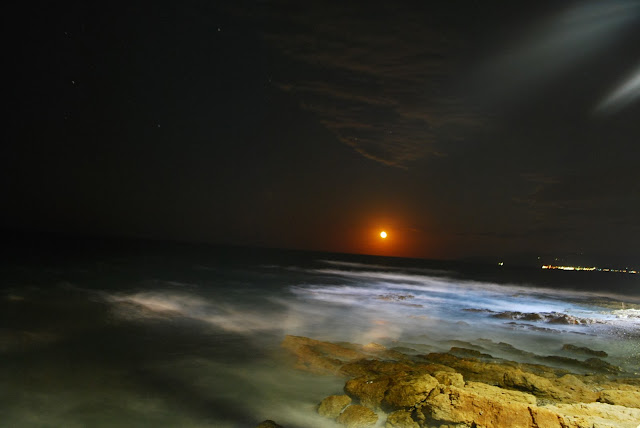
462	128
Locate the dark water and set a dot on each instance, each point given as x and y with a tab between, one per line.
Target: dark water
175	335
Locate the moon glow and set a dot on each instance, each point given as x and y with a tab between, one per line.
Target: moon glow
383	234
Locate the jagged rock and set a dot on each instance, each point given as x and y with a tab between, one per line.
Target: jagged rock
529	382
596	415
356	416
368	391
557	318
477	404
333	405
408	391
449	378
584	350
391	392
430	390
268	424
519	316
565	389
545	384
470	368
620	398
544	418
549	317
401	419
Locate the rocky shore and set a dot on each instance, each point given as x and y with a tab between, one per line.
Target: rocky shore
397	388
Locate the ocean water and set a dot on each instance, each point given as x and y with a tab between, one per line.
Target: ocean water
176	335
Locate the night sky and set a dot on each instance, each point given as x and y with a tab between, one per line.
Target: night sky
463	128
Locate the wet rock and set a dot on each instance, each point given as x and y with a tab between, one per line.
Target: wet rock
401	419
463	344
601	366
550	317
356	416
268	424
319	357
374	347
466	352
404	350
374	368
584	351
333	405
519	316
395	297
557	318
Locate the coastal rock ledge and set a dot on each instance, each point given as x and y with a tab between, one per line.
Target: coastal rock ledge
446	391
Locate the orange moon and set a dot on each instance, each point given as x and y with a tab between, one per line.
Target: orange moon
383	234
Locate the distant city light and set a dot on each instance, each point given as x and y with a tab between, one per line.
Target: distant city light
588	269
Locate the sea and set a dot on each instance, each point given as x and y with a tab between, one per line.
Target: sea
148	334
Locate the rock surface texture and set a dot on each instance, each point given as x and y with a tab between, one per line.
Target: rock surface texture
446	390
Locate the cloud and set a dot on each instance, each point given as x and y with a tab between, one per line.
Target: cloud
603	201
623	95
374	77
562	46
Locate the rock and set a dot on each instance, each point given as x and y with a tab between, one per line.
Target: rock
567	389
620	398
268	424
401	419
544	418
356	416
519	316
408	391
550	317
333	405
466	352
477	404
544	383
376	368
601	366
391	392
319	357
430	390
529	382
596	415
374	347
584	351
558	318
368	391
449	378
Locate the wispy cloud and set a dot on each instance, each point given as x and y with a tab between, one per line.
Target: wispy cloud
376	84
